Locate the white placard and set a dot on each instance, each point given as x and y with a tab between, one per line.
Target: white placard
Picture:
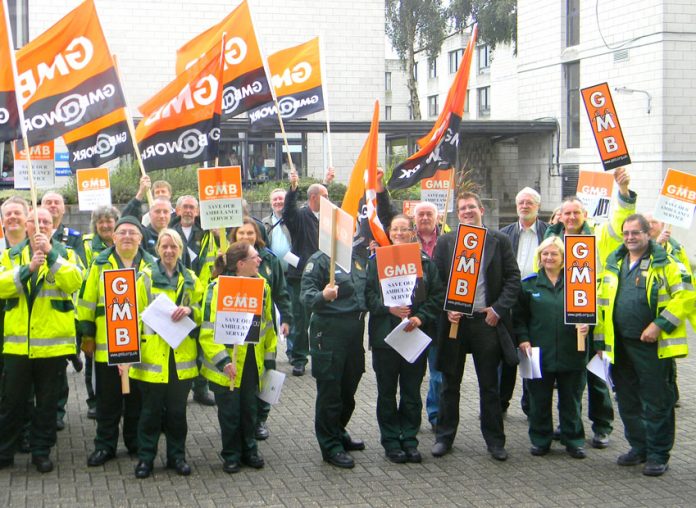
271	384
233	327
158	316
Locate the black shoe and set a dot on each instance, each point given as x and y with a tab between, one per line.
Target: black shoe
413	455
262	432
576	453
92	413
99	458
254	460
539	451
204	398
600	441
60	424
655	469
353	445
76	362
498	453
632	458
143	469
440	449
298	370
231	466
180	466
557	433
6	462
397	456
43	463
341	459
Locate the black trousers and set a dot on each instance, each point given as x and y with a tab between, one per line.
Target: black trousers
112	404
20	374
481	341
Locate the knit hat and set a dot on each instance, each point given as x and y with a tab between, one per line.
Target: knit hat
128	219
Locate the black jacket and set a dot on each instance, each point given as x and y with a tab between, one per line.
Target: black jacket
512	231
304	231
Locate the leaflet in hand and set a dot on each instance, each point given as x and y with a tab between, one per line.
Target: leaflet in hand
411	344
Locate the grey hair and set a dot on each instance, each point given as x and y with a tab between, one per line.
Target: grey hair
536	197
103	212
181	199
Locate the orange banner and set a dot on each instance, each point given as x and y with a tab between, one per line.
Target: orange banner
121	313
67	76
99	141
580	283
605	126
466	266
9	117
244	77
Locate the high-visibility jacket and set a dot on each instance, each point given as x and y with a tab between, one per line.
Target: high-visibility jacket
608	235
216	356
39	310
154	350
90	306
208	254
678	253
669	295
92	246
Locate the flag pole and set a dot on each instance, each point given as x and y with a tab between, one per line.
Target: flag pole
20	113
325	94
332	261
131	130
447	201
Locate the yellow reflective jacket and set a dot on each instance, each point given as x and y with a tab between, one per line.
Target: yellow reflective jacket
39	310
90	306
154	350
216	356
669	294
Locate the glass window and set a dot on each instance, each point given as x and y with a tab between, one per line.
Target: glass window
484	101
387	81
432	68
484	58
466	103
572	88
433	109
572	22
387	112
455	57
18	11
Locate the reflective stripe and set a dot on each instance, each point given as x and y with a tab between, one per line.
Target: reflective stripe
269	356
266	329
149	367
56	341
18	283
688	286
603	301
102	347
147	330
210	259
607	280
598	337
195	306
612	233
17	339
677	341
148	287
186	365
676	287
670	317
58	264
662	298
608	348
207	325
220	356
52	293
87	305
205	363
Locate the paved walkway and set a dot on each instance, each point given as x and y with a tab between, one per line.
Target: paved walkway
296	476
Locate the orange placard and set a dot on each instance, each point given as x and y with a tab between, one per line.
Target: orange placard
94	179
605	126
676	204
679	185
121	313
239	306
595	183
399	268
42	152
409	207
465	269
580	283
223	182
436	189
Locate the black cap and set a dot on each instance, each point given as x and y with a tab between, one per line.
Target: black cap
129	219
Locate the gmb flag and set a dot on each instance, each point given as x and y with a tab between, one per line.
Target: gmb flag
181	123
244	77
66	76
9	116
99	141
438	148
296	77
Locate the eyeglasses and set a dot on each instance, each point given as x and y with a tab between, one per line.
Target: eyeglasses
126	232
627	234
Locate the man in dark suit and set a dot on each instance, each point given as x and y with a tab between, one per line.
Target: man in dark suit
484	334
525	236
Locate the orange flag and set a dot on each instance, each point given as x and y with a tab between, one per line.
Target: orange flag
363	182
66	76
9	115
245	82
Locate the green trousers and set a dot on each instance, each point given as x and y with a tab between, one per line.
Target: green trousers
338	363
298	339
571	386
645	391
400	422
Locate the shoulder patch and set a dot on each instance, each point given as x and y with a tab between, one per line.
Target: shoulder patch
309	266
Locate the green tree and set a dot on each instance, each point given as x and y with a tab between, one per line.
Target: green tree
497	19
412	26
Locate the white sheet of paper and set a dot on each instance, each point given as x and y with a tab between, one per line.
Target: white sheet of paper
600	368
411	344
158	316
271	385
530	366
291	259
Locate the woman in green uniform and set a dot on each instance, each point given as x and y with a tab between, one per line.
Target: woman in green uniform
539	322
165	374
399	423
240	365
